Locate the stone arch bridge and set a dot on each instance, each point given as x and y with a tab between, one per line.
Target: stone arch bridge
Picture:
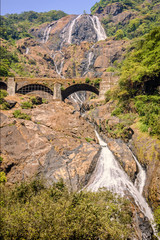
58	89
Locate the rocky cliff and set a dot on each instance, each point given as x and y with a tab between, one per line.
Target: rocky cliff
73	46
56	143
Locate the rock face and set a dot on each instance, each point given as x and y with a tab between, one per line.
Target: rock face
99	115
69	48
115	13
147	150
52	145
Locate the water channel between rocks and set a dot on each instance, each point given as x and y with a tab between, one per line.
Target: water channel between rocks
110	175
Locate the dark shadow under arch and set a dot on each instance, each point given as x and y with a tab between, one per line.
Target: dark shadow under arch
78	87
34	87
3	86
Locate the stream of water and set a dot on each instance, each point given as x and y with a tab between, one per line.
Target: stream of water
109	174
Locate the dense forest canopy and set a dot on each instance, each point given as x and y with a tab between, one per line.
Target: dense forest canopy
16	26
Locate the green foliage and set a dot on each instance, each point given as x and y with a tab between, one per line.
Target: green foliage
5	106
148	108
141	64
26	105
140	71
19	114
121	129
96	82
119	34
147	17
88	139
3	178
117	111
1	159
3	93
87	80
157	219
32	211
62	88
16	26
6	59
110	69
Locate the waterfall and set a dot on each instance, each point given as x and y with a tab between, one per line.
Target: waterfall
101	35
27	50
109	174
46	34
141	177
89	59
59	71
78	97
71	29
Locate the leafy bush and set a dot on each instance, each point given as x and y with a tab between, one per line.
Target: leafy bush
110	69
87	80
3	93
157	219
148	108
5	106
3	178
31	211
26	105
88	139
20	115
97	82
1	159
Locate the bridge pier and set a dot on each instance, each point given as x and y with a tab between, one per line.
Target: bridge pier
57	92
11	86
107	83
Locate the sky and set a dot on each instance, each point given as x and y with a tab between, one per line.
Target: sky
68	6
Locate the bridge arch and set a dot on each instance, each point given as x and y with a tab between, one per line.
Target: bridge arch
3	86
78	87
36	89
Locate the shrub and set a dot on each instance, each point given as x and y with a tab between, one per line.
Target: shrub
110	69
117	111
148	108
18	114
3	93
88	139
157	219
31	211
5	106
87	80
26	105
3	178
97	82
1	159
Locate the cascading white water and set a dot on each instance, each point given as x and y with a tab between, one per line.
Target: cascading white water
27	50
101	35
78	97
59	71
90	58
108	174
71	29
46	34
141	177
